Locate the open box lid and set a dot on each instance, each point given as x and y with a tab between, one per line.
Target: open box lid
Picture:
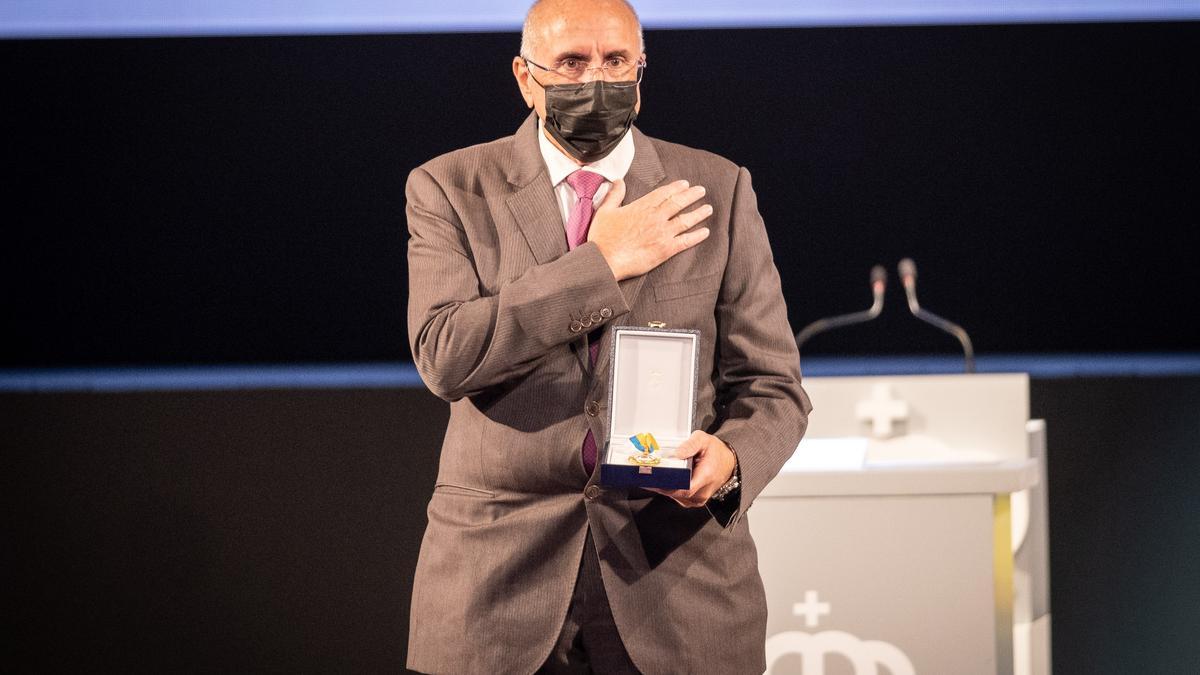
653	387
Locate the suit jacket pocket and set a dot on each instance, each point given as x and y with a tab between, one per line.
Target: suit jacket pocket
671	290
462	490
460	507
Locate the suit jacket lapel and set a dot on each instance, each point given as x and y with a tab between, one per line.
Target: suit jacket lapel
535	208
533	204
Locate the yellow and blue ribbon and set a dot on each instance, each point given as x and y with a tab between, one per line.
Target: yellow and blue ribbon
644	442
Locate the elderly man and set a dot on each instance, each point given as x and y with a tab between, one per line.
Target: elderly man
523	252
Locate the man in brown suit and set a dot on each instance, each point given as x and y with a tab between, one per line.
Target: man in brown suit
527	563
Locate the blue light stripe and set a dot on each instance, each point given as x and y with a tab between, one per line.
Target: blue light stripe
134	18
185	378
404	375
1044	366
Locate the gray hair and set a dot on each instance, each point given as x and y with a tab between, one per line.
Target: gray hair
528	42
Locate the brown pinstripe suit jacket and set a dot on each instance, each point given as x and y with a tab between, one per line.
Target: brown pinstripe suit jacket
493	292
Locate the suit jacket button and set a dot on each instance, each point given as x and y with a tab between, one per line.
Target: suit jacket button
592	492
592	408
586	322
605	313
596	318
576	326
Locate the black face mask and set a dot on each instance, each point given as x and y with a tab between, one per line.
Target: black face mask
589	120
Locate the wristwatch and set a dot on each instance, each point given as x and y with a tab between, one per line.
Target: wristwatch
734	482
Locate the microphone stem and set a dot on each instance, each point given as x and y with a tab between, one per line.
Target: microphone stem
822	325
947	326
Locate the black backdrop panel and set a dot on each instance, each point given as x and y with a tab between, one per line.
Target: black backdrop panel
241	199
236	532
1124	500
277	531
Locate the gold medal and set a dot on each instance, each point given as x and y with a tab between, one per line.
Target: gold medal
646	443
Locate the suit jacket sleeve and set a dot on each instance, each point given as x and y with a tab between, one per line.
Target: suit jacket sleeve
762	410
464	341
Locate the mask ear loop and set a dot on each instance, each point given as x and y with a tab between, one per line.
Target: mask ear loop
529	63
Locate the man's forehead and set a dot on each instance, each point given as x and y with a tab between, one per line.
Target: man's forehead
586	28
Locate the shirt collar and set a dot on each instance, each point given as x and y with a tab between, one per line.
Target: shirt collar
612	166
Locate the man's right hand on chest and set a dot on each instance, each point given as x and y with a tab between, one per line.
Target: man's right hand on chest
643	234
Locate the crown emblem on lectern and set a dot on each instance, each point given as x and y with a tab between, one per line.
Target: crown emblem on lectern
866	655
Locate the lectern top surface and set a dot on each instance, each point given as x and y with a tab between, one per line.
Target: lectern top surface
1000	477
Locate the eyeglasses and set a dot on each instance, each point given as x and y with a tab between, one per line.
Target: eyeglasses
616	70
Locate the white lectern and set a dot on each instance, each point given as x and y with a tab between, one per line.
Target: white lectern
908	532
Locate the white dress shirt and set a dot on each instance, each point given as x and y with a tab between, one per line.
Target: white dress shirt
612	166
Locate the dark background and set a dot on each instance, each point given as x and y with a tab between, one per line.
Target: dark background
198	200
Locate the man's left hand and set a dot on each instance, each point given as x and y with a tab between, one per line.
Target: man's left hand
712	467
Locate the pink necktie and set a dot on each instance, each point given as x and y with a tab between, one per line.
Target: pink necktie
585	184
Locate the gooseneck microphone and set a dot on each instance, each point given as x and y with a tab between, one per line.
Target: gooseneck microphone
878	284
908	277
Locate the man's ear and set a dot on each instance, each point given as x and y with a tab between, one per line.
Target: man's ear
521	74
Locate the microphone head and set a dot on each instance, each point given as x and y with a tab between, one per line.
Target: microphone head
908	270
878	277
